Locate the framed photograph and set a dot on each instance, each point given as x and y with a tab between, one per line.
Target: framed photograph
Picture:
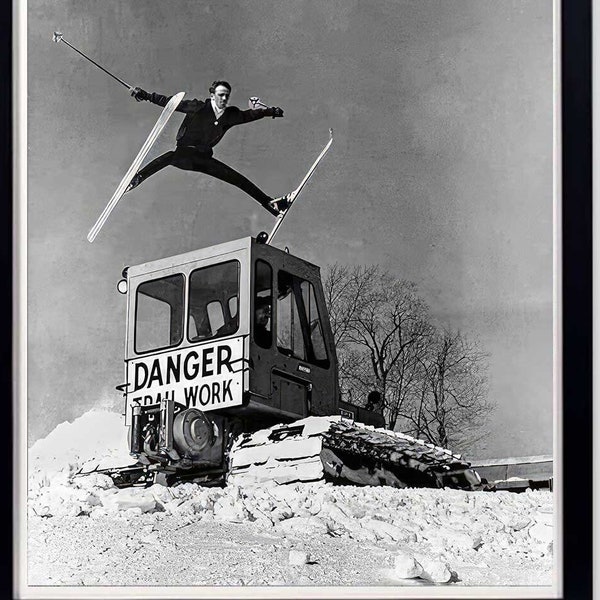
302	301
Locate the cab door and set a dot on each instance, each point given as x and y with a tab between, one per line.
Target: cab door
293	363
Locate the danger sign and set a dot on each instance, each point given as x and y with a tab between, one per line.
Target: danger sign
207	377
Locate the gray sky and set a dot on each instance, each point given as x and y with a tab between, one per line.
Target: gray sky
441	171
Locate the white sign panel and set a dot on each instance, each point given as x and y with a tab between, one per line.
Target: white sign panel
207	377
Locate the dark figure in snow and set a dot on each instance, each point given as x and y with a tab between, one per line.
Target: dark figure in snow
205	123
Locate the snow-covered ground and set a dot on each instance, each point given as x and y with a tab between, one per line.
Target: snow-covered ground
85	531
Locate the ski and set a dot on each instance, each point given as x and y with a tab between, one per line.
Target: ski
293	195
168	110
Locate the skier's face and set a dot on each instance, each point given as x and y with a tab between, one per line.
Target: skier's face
220	96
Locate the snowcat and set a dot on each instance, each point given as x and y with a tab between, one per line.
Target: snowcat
231	372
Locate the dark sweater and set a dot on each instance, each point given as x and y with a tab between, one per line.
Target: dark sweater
200	127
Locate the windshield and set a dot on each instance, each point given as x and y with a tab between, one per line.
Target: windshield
159	313
213	301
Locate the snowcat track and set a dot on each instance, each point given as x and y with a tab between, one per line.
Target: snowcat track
337	450
393	459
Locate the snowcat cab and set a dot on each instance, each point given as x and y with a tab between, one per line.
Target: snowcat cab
220	341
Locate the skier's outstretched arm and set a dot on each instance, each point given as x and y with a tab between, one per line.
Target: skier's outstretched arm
253	114
185	106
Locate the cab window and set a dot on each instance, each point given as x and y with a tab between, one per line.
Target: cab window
159	313
314	322
213	301
299	327
263	304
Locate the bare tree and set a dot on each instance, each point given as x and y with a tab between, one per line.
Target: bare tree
344	289
432	383
380	332
451	407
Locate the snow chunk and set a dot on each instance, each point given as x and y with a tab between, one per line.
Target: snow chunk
303	526
461	539
129	498
434	570
541	532
298	557
230	509
405	566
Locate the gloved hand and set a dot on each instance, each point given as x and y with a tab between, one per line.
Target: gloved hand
277	112
138	93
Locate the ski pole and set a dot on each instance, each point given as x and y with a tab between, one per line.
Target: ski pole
58	37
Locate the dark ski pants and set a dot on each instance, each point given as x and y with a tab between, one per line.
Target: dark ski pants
190	159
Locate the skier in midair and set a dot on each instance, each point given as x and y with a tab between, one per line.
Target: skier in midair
204	125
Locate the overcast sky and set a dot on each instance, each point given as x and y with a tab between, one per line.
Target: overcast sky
441	171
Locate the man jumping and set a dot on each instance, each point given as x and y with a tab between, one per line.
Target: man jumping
205	123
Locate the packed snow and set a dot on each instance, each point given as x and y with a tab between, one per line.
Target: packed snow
295	534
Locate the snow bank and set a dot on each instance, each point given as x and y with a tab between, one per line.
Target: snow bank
426	528
98	439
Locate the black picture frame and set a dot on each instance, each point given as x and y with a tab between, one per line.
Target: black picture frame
577	413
